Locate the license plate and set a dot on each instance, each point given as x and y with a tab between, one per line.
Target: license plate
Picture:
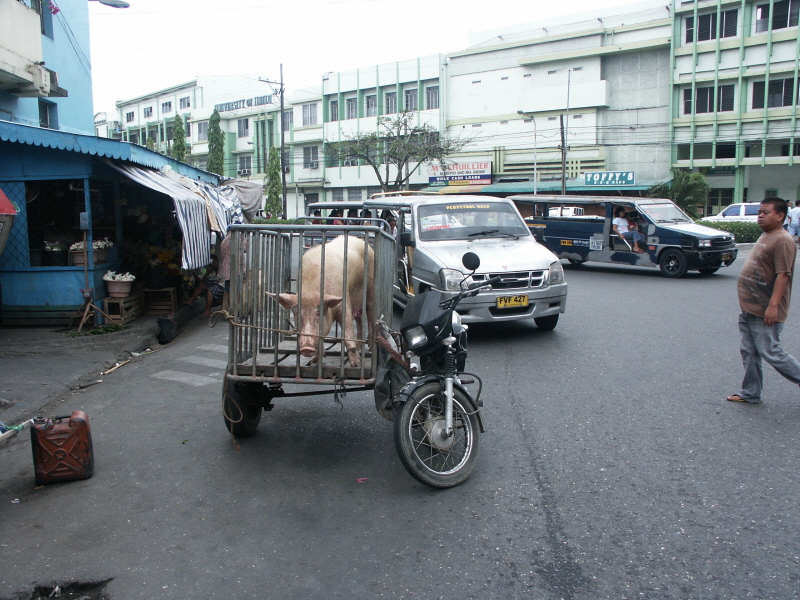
512	301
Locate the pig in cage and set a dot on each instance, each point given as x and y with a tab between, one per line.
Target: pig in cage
304	300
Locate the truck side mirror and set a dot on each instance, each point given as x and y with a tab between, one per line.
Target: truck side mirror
406	240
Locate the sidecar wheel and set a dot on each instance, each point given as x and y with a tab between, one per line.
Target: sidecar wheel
428	456
239	408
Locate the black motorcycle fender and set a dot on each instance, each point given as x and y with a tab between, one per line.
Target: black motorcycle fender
409	388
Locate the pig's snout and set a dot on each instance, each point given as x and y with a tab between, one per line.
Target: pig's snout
307	351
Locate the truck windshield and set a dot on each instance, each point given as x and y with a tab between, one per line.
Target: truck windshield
664	213
468	220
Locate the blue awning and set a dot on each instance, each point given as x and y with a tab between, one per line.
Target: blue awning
95	146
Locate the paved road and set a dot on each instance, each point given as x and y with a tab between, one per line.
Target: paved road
611	468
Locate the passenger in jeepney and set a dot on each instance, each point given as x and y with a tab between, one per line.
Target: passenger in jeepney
622	229
352	215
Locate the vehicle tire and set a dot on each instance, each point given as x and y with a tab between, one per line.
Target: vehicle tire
575	263
239	409
708	271
429	457
547	323
672	263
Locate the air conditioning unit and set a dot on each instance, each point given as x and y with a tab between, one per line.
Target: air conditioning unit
313	164
243	172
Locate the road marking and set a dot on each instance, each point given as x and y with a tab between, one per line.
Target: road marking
214	348
188	378
206	362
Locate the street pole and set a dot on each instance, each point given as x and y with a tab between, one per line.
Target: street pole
283	147
563	159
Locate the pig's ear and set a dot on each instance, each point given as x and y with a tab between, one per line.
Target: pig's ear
287	300
332	301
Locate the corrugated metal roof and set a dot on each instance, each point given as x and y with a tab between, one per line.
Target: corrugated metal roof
95	146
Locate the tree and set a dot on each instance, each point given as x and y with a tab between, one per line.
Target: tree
396	149
216	145
687	190
150	144
179	141
274	187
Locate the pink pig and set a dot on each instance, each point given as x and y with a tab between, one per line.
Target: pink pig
310	343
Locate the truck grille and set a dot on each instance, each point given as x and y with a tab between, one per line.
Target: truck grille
512	281
722	242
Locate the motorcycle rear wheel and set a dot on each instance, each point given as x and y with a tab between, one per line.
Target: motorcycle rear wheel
429	457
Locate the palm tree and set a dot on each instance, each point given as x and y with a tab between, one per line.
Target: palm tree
687	190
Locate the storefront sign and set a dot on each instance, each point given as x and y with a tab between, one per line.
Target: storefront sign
610	178
476	173
239	104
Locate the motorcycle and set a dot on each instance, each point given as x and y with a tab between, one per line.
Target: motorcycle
437	422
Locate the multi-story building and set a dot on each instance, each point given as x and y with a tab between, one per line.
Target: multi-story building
601	83
735	97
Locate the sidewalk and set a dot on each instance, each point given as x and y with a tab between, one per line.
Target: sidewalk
40	365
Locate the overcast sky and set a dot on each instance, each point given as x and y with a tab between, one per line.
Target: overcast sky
155	44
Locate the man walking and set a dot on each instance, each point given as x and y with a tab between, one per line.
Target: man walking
794	222
765	287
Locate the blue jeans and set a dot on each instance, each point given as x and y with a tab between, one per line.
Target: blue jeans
760	341
634	235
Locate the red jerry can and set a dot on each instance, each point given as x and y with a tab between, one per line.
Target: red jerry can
62	448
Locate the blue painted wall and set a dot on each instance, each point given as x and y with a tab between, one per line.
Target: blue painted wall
66	53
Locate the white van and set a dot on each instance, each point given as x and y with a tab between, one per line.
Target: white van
434	232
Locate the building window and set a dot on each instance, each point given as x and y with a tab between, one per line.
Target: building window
334	109
188	129
186	102
337	194
391	103
169	133
166	107
202	131
153	134
372	105
288	119
779	93
310	114
128	117
351	108
148	112
704	99
245	162
411	100
432	97
784	15
48	114
707	26
286	161
354	194
310	157
243	127
133	138
795	150
726	151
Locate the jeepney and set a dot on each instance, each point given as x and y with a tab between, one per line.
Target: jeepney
673	242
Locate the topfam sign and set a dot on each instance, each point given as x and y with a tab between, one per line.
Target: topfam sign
239	104
610	178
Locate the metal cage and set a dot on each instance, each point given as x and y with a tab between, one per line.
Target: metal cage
266	260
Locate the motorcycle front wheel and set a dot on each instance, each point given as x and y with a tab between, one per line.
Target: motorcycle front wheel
427	454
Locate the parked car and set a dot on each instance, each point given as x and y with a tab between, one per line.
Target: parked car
741	211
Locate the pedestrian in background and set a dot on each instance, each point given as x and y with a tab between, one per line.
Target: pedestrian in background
765	288
794	222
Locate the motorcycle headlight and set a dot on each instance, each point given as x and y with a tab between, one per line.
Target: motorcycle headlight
451	280
456	318
416	337
556	273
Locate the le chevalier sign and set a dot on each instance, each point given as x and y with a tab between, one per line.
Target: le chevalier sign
474	173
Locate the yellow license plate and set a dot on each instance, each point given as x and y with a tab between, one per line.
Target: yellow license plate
512	301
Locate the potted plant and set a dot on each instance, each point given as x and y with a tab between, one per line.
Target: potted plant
118	285
99	247
55	254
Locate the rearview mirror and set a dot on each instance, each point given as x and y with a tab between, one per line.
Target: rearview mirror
471	261
406	239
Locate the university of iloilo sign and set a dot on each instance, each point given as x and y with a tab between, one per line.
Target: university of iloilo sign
474	173
239	104
610	178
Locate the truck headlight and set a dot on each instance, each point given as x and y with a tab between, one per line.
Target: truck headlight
556	273
704	243
416	337
451	280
